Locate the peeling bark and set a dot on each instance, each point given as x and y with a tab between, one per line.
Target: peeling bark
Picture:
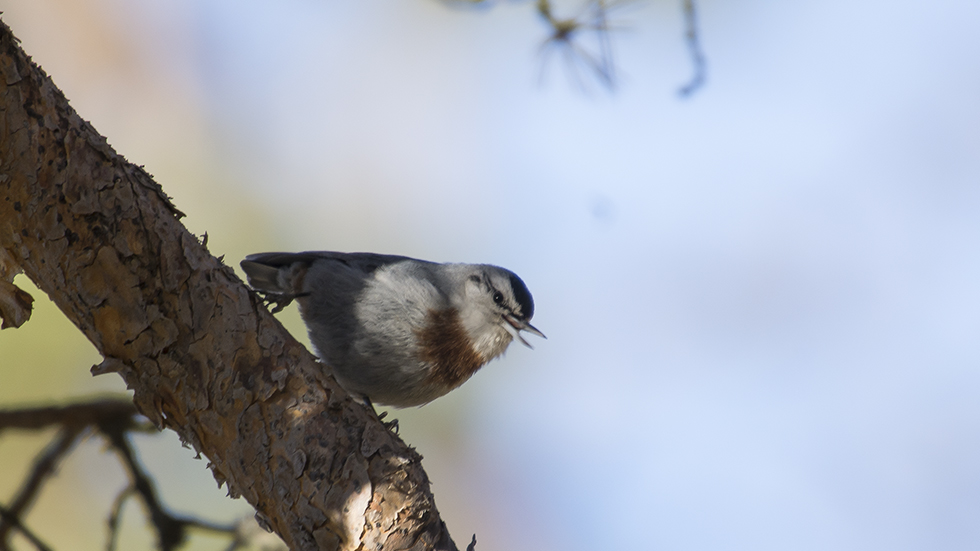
15	304
201	354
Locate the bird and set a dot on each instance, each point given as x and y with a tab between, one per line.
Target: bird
396	330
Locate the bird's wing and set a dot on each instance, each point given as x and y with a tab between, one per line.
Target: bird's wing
365	262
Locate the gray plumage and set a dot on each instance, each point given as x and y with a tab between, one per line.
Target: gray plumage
398	330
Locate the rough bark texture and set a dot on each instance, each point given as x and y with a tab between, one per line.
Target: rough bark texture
201	354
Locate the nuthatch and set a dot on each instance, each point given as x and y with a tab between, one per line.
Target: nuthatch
396	330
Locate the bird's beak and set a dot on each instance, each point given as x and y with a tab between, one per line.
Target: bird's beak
515	326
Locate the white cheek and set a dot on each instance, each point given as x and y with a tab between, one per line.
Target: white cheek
493	342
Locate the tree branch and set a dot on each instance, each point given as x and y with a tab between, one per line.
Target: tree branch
201	355
114	513
693	39
77	416
7	516
44	466
115	420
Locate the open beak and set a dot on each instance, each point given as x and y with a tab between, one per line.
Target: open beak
515	326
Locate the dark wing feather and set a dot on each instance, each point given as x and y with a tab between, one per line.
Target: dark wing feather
366	262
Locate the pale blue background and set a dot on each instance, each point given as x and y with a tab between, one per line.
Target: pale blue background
762	302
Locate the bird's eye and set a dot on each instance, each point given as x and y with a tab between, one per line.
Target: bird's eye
498	297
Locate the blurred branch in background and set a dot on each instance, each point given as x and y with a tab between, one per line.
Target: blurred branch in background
567	34
566	37
694	48
7	516
113	420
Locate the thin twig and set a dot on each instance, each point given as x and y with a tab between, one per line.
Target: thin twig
170	532
693	38
240	538
114	419
114	515
171	529
7	516
44	466
566	35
